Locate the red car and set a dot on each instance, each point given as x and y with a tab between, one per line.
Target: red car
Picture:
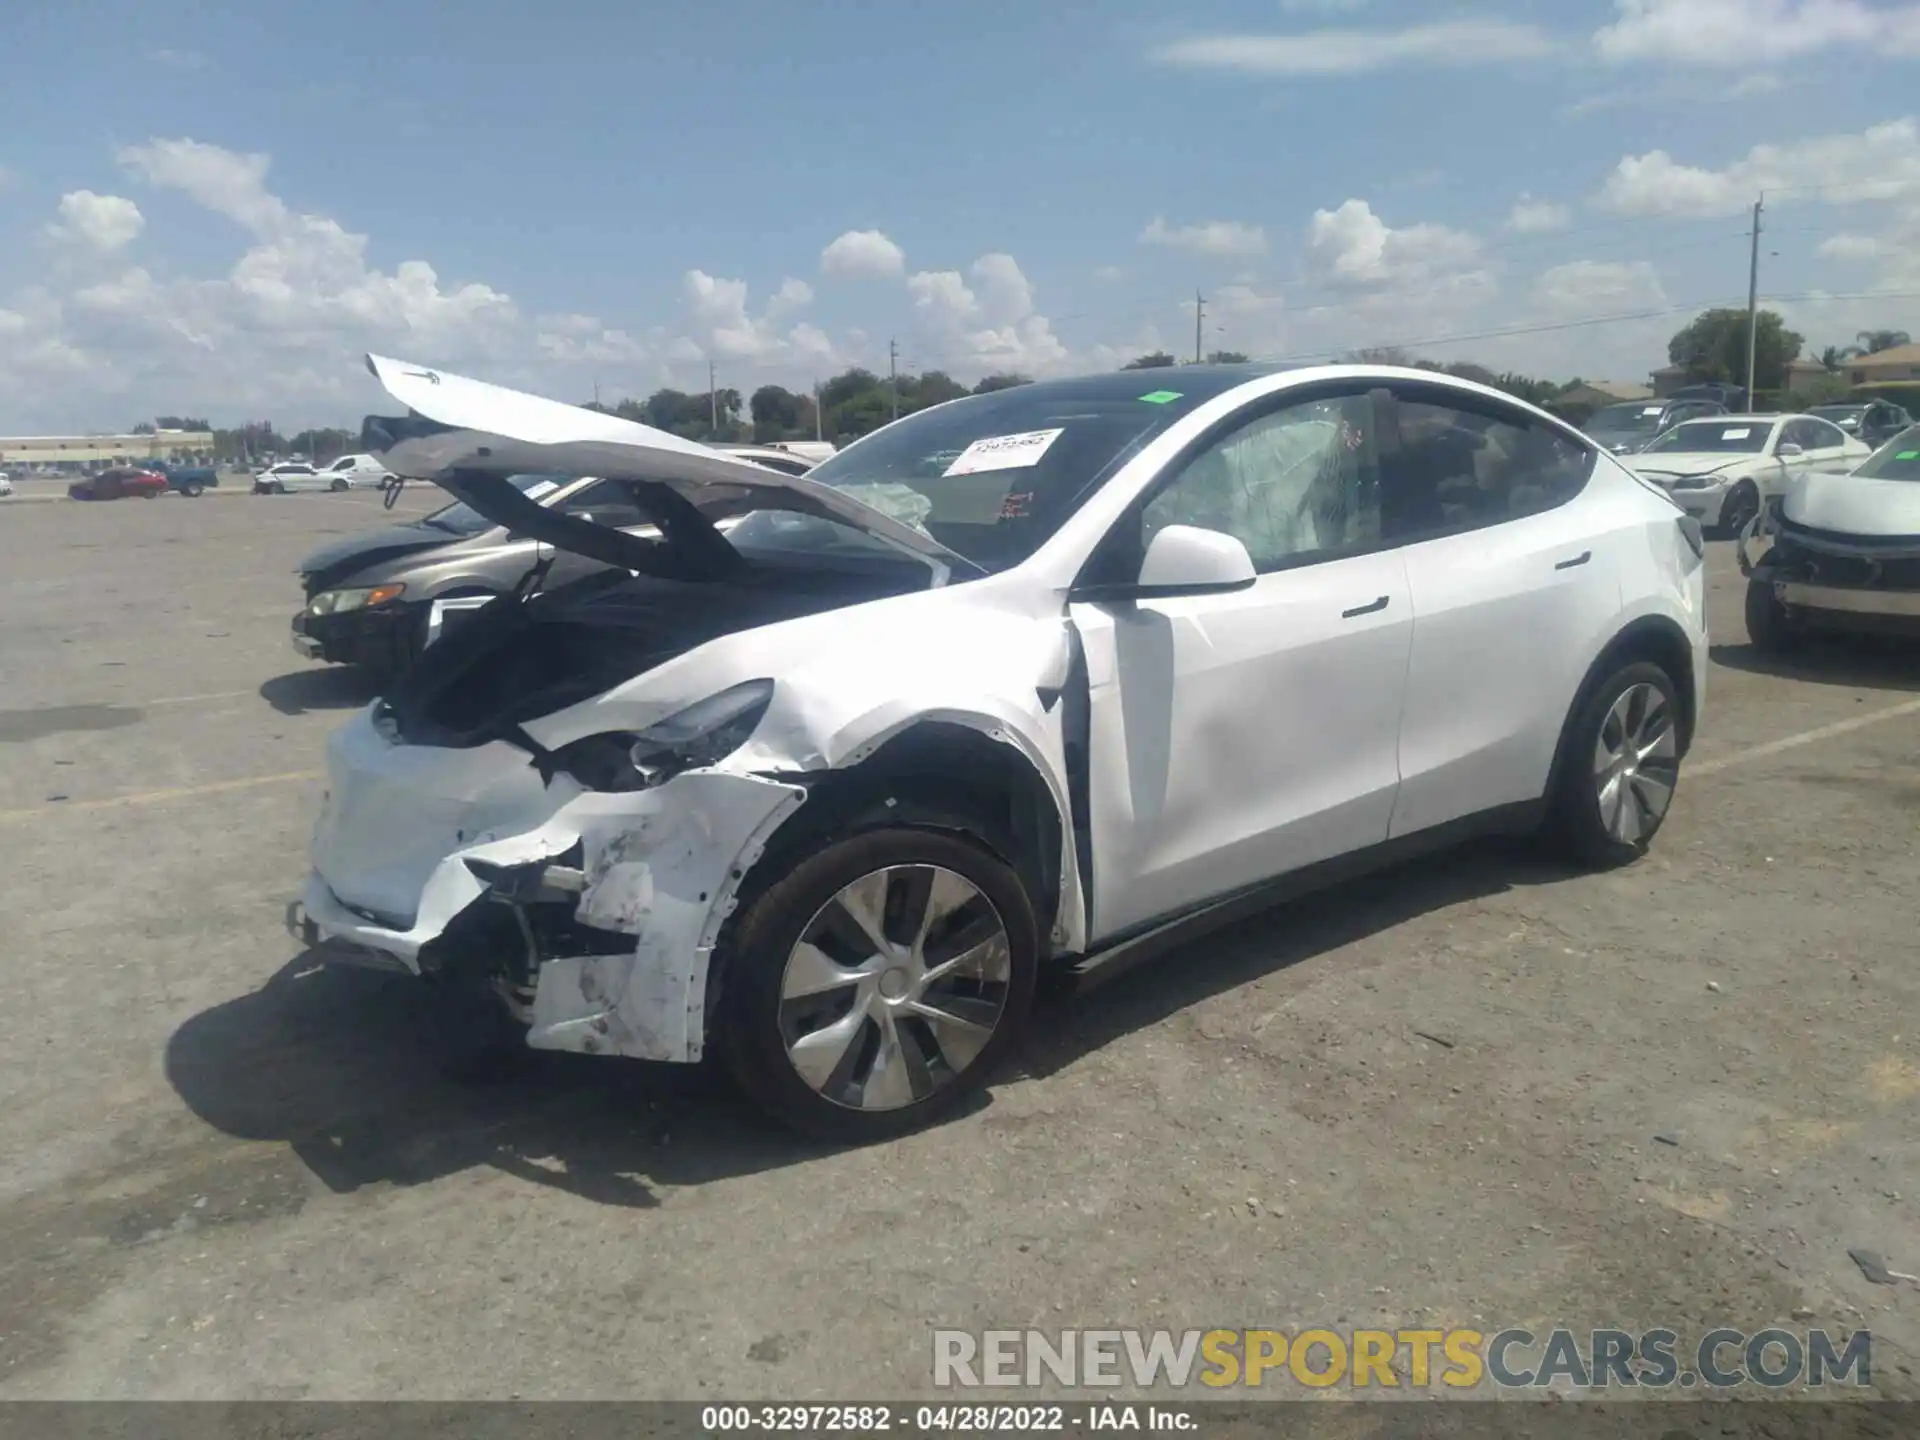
120	481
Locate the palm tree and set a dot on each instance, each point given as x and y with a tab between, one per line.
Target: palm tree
1872	342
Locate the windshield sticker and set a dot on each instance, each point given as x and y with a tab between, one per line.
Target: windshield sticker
1736	434
1017	506
1651	410
1908	455
1161	397
1003	452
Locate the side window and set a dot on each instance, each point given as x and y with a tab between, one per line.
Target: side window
1798	432
1826	436
1293	486
1455	469
605	503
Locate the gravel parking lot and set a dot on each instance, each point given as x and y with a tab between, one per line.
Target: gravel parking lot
1477	1091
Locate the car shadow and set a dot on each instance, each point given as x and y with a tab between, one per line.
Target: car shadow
1857	662
344	1066
338	687
1070	1026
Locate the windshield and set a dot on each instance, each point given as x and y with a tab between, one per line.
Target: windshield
993	476
1627	419
1714	437
1839	414
462	519
1898	459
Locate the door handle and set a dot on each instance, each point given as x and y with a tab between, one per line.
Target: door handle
1580	559
1372	609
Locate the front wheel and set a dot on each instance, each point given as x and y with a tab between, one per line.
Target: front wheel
877	983
1739	508
337	486
1769	627
1620	768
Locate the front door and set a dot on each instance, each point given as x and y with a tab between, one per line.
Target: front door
1239	736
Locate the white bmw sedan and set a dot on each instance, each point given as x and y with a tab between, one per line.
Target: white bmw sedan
827	770
1721	471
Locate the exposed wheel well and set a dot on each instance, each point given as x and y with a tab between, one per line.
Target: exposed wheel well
940	775
1652	638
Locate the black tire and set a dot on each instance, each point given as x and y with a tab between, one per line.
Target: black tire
1769	627
193	489
762	933
1739	508
1575	824
337	486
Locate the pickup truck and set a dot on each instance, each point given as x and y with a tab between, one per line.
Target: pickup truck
188	480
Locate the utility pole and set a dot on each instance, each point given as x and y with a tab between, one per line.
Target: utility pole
816	411
1753	299
713	403
1199	312
893	375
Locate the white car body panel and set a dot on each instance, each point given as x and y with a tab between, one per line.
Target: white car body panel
1282	744
1854	505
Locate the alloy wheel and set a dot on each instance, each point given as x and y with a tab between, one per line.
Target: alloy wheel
1742	505
1636	763
894	987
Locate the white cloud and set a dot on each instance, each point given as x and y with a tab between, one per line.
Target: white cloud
8	175
863	252
1352	245
1107	274
1738	34
1534	217
725	330
99	222
1852	247
1582	289
984	320
179	59
1881	163
1443	43
1208	237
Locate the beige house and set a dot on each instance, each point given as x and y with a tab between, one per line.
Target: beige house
72	450
1900	363
1595	393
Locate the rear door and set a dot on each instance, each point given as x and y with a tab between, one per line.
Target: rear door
1513	566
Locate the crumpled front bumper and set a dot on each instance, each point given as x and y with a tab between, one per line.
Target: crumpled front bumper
660	866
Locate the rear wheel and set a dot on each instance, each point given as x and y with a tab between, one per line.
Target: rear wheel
878	982
1620	768
1769	626
193	489
337	486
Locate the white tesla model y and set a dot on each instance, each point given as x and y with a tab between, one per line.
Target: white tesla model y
825	771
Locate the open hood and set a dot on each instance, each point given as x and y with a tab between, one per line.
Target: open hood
1854	505
468	436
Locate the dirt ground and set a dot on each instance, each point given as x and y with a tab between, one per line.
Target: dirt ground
1428	1098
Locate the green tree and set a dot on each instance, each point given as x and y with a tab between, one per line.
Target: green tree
1005	381
1378	355
778	413
1872	342
1226	357
1713	346
177	422
1157	360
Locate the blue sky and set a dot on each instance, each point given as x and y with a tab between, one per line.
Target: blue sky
216	208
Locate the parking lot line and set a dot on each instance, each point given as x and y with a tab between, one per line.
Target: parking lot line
155	797
1804	737
221	787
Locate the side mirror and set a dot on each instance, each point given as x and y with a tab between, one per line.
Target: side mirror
1187	560
1787	450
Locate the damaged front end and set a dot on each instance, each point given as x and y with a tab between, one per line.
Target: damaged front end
591	913
1834	579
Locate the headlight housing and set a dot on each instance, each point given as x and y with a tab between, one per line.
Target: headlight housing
339	602
704	733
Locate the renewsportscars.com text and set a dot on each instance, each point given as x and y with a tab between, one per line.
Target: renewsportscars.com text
1458	1359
